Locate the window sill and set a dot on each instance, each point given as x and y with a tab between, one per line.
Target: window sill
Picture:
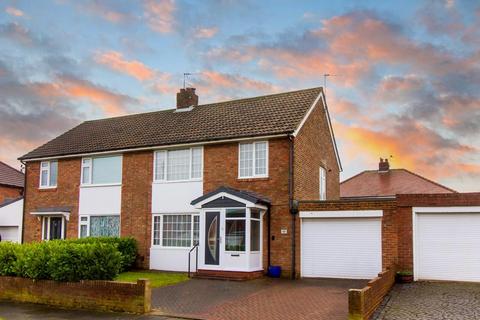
48	188
100	185
177	181
253	179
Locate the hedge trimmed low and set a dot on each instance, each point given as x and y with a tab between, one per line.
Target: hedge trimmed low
68	260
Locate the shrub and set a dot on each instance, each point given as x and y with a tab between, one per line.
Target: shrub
7	258
61	260
127	247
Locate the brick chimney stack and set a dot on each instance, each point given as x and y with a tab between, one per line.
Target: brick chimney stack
383	165
186	98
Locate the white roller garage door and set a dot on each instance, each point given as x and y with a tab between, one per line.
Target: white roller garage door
341	247
9	234
447	246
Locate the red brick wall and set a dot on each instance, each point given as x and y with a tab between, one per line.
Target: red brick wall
221	169
314	148
404	218
136	212
389	223
9	192
65	195
93	295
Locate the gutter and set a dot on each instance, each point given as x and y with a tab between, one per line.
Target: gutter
291	206
24	200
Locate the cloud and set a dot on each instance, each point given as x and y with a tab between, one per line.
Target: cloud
205	33
105	9
22	35
14	12
115	61
159	15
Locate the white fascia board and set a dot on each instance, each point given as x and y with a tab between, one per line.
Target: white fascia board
453	209
52	213
171	146
342	214
231	196
329	124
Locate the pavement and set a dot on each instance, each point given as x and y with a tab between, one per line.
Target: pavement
256	299
26	311
431	301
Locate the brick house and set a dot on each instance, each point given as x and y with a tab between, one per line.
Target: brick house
223	175
11	203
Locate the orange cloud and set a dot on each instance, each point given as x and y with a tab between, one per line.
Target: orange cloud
115	60
203	33
160	15
14	12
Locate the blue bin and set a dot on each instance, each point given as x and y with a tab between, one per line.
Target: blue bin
274	271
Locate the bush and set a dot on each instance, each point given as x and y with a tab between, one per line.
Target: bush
70	260
7	258
126	246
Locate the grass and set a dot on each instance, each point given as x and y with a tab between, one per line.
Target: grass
157	279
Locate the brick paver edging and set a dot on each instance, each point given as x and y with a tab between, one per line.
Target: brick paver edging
362	303
91	295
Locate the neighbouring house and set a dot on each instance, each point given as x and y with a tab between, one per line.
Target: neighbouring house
392	218
387	183
11	203
221	175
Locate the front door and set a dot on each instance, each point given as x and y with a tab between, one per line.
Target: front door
212	238
55	228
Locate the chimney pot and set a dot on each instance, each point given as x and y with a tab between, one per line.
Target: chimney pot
186	98
383	165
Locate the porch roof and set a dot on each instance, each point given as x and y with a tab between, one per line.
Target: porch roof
243	194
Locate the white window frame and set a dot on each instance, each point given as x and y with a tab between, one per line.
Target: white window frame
322	183
161	215
87	223
90	174
47	238
255	143
165	169
47	169
245	218
260	214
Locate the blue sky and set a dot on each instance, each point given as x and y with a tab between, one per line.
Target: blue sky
406	77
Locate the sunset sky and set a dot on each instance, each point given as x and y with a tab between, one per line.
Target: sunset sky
406	84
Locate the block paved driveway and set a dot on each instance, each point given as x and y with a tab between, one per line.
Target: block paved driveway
256	299
432	301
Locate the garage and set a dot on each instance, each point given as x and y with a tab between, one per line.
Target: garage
9	234
446	243
341	244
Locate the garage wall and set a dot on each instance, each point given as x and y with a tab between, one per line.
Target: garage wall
404	218
389	224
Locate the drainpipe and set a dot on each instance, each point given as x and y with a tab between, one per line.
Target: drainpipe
24	200
291	205
268	236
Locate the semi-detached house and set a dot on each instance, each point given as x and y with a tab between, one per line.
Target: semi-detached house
222	176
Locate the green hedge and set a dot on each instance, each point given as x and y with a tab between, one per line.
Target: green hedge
68	260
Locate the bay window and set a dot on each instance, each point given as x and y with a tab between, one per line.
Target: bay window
48	174
176	230
253	160
101	170
235	230
178	165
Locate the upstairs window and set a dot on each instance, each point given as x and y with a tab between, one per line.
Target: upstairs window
48	174
101	170
323	183
178	165
253	160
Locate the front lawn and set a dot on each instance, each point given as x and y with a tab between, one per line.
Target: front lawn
157	279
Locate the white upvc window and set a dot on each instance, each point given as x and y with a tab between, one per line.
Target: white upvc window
178	165
175	230
253	160
323	183
48	174
101	170
99	226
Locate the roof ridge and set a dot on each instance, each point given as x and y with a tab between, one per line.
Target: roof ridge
9	166
206	104
426	179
